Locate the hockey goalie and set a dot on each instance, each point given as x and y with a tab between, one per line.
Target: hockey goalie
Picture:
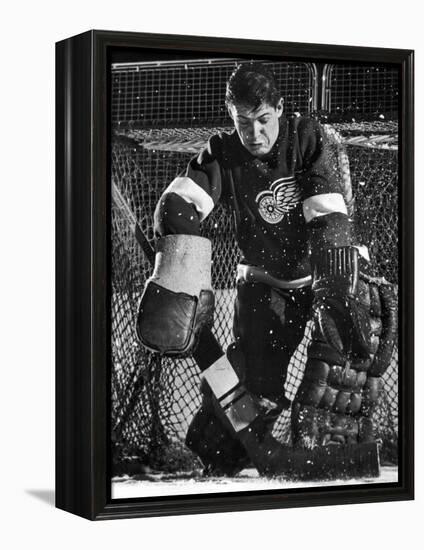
276	176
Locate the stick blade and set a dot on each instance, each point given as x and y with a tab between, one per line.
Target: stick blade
327	463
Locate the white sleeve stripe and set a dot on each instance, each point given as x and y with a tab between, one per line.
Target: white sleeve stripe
188	190
320	205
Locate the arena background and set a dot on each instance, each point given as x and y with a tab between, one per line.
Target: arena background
163	111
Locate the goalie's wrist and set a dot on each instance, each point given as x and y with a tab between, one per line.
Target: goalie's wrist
335	272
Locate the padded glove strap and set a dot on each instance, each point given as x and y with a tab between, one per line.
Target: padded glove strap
341	317
336	272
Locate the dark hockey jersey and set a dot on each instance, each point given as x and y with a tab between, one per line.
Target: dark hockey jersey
267	194
284	203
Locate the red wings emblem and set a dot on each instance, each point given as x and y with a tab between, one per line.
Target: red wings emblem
282	197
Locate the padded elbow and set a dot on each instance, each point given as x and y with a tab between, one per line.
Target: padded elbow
175	216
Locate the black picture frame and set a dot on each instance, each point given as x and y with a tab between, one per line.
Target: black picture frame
82	278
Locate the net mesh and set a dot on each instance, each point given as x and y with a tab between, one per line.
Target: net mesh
362	90
153	399
162	113
193	92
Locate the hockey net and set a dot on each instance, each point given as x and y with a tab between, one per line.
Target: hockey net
153	398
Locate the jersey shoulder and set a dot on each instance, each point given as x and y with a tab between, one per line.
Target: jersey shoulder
214	149
307	127
310	138
222	147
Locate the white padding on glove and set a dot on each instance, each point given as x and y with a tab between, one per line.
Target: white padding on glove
183	264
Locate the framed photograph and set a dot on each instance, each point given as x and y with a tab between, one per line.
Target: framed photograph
234	275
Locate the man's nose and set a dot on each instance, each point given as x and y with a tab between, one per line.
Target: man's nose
255	129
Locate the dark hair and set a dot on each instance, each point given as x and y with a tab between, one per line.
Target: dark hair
252	84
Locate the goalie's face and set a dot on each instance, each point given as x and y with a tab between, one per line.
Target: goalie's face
257	128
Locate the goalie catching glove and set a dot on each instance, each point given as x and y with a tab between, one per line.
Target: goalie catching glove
178	299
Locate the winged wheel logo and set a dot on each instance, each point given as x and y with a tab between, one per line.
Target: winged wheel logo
282	197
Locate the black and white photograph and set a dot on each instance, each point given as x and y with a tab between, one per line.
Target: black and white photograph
211	222
254	272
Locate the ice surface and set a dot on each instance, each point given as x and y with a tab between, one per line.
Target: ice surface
150	485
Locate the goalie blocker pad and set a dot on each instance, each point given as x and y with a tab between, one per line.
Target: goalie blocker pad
170	322
178	301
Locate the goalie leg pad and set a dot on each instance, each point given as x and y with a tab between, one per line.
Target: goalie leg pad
237	404
228	432
388	302
336	399
214	443
223	451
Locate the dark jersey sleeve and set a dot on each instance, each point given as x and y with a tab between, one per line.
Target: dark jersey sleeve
319	173
324	207
205	169
191	196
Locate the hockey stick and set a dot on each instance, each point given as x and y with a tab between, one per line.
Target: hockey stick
140	237
268	455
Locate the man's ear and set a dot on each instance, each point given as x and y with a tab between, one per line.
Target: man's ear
280	107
